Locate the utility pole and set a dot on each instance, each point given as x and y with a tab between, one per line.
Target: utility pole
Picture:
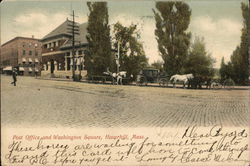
118	58
74	30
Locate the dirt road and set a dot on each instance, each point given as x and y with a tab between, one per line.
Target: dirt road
69	104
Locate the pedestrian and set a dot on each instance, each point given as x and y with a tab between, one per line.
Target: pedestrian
14	74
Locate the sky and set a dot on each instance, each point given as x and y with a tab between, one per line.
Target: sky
218	21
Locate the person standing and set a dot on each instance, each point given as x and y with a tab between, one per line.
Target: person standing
14	74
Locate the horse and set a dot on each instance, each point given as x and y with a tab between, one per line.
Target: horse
120	76
116	76
112	75
182	78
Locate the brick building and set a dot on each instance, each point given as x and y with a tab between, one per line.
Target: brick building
57	50
23	53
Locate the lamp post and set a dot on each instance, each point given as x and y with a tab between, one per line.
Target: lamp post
249	63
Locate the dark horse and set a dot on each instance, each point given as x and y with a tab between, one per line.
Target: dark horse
198	81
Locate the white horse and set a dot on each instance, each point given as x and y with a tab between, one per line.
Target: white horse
116	76
120	76
181	78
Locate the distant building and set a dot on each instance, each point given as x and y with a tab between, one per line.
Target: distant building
22	53
57	50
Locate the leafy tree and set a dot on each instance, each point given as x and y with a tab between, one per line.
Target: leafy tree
239	58
98	55
158	65
226	70
172	21
199	61
132	56
223	72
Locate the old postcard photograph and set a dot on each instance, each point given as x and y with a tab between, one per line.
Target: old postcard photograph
125	82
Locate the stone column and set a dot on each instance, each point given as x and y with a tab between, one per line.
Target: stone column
45	67
56	65
66	63
71	62
76	63
48	66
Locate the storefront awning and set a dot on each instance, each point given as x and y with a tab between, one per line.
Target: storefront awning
30	60
36	60
8	68
30	69
21	69
24	60
36	70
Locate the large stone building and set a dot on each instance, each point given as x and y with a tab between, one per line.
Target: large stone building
22	53
57	50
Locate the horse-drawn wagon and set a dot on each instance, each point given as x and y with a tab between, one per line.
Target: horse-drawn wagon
152	76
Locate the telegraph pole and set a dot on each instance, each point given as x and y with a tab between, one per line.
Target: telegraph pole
74	30
118	58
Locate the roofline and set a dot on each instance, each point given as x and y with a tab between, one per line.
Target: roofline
76	46
19	37
55	36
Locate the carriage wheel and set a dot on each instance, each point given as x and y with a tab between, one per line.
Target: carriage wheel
163	82
145	81
141	81
215	85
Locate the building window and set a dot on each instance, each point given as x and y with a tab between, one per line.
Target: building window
54	44
45	46
57	44
30	44
36	53
30	52
24	52
23	44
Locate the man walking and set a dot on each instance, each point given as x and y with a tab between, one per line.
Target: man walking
14	73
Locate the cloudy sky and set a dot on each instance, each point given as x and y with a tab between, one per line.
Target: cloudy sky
218	21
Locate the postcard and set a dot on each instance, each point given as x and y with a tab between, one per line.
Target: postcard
125	82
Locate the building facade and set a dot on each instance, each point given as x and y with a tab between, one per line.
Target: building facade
22	53
57	50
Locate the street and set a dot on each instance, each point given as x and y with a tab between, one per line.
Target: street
35	102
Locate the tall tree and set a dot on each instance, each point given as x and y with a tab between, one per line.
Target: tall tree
226	70
199	61
132	55
172	21
239	58
98	55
